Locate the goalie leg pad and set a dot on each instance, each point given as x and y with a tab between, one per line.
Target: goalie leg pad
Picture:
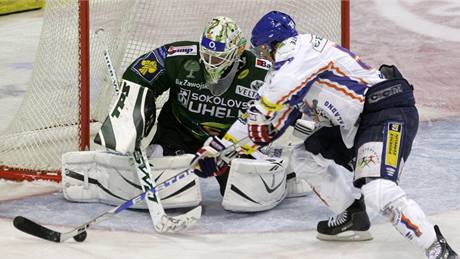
296	187
326	178
87	178
95	176
255	185
406	215
182	194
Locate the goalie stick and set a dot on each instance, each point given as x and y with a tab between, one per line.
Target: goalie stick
79	233
108	61
161	221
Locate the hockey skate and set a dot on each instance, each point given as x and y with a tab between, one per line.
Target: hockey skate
350	225
440	249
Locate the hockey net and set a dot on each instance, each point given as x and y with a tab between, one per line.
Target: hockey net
59	113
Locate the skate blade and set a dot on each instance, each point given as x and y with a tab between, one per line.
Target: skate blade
347	236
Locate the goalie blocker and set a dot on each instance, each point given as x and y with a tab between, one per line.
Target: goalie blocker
110	178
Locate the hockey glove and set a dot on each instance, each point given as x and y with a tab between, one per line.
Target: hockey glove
260	128
207	161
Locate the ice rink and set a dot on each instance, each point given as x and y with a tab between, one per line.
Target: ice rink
421	37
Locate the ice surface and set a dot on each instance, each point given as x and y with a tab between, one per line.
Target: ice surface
430	177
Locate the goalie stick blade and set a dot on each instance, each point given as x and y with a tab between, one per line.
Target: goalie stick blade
34	229
178	223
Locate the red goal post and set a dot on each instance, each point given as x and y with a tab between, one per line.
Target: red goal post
70	93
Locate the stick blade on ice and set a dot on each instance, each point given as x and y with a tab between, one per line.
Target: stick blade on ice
34	229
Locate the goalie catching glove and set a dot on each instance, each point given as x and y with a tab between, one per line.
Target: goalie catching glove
209	161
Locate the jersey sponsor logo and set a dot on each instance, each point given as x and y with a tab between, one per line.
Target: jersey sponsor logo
243	74
182	50
187	83
318	43
246	92
148	68
209	105
263	63
393	141
256	85
183	97
192	66
334	112
368	160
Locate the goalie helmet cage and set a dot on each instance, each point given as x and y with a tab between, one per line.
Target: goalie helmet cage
70	91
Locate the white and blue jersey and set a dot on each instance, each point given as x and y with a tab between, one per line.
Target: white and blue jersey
322	80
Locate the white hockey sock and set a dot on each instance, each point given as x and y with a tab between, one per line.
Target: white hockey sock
326	179
405	214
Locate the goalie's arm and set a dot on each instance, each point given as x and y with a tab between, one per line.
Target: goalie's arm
134	112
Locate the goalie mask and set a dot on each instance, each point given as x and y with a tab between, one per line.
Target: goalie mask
221	45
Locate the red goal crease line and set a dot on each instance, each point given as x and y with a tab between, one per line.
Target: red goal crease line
20	174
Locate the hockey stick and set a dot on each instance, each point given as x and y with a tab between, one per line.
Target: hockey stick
79	233
161	221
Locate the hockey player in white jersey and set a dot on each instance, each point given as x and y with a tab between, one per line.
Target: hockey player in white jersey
359	114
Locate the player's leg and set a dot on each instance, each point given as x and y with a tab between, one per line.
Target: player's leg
380	160
319	161
380	181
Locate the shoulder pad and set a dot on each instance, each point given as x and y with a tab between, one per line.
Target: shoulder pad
150	65
263	63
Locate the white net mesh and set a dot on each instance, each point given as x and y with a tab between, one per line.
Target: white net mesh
47	122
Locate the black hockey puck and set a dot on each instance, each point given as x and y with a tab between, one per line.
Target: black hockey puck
80	237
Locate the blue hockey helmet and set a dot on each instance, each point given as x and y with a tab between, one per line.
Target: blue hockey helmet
273	27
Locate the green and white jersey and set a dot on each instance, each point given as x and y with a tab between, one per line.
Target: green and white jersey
191	104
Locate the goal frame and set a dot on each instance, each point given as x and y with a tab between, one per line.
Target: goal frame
19	174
